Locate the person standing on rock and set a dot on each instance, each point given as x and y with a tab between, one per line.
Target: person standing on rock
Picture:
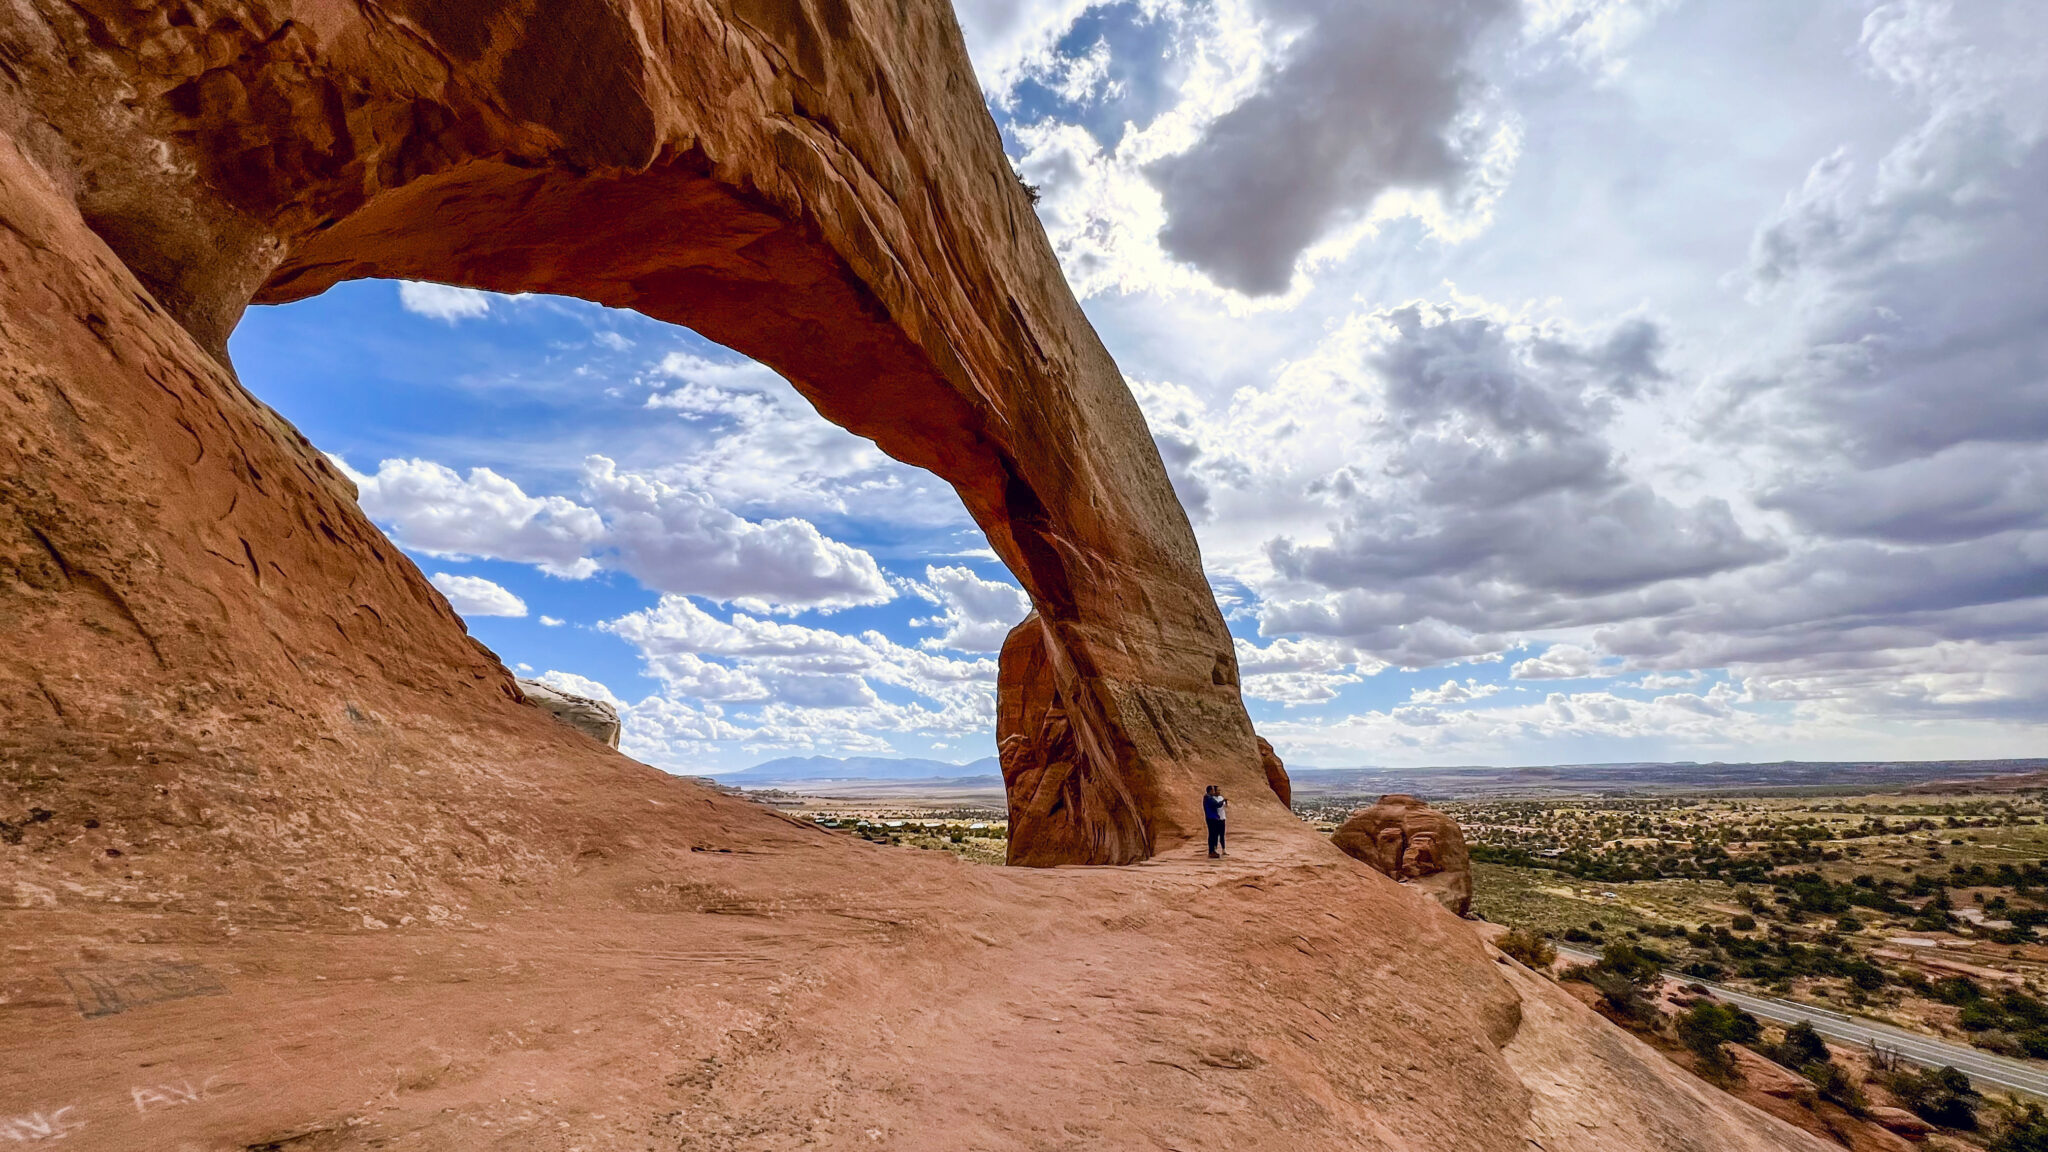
1213	806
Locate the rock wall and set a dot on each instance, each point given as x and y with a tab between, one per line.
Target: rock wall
815	184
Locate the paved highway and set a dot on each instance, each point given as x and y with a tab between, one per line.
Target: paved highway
2028	1076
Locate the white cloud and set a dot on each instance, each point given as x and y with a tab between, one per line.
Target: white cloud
794	686
759	448
1298	672
1560	662
551	622
670	538
1006	36
1368	96
675	539
431	509
977	614
1453	692
443	301
1659	681
476	596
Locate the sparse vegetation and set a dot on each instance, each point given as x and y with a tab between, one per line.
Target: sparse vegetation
1941	1096
1529	948
1875	904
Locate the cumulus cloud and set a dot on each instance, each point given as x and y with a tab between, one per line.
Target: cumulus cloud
778	685
476	596
1675	724
1560	662
675	539
430	508
1004	37
671	538
977	614
443	301
1369	95
1297	672
1453	692
1474	487
758	448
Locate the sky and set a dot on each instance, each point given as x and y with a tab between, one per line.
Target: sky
1552	381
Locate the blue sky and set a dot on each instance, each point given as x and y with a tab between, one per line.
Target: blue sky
1558	381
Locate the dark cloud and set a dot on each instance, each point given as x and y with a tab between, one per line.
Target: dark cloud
1959	493
1181	453
1928	310
1368	98
1503	484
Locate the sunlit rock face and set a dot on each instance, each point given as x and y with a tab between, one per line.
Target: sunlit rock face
1408	840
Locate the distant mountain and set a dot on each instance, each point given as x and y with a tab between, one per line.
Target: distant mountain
800	769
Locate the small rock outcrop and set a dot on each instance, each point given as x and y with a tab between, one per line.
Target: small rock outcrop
1901	1121
594	718
1276	773
1408	840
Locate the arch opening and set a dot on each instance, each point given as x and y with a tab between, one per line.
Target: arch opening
818	188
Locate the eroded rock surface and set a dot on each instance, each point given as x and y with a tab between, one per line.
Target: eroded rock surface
594	718
1408	840
1067	801
1276	773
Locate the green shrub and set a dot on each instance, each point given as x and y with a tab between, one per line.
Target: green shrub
1834	1084
2026	1132
1801	1046
1529	948
1941	1096
1707	1026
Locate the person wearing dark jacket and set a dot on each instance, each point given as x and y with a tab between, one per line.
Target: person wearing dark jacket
1213	808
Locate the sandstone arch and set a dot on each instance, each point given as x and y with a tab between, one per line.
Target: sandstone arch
815	184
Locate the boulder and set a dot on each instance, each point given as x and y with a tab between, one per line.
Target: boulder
1415	844
596	719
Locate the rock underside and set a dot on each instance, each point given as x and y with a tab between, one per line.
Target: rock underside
297	865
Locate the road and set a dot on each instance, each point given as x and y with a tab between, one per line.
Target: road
2028	1076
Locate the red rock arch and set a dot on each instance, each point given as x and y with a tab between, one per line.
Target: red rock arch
815	184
